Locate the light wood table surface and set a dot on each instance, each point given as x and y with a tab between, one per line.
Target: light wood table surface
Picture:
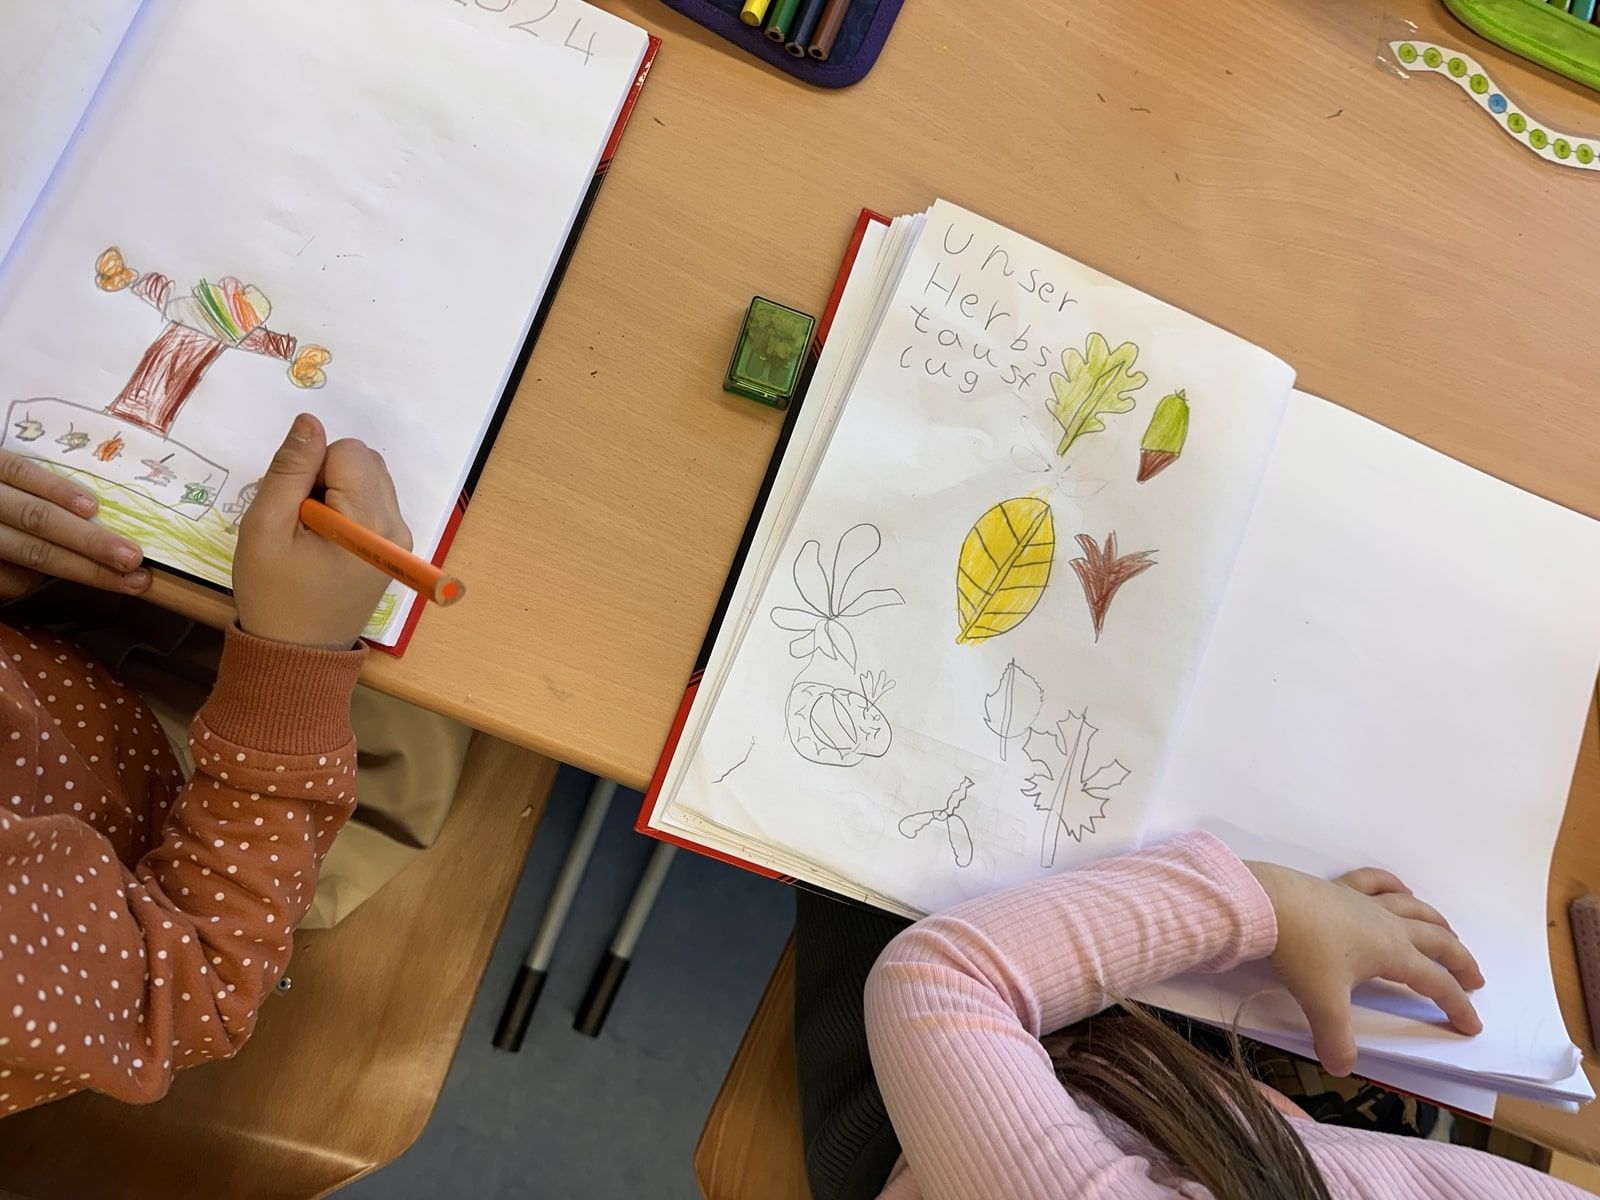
1250	162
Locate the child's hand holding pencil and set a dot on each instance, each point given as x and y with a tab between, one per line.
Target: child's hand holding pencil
295	585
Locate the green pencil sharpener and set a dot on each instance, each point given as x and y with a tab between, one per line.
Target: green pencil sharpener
770	354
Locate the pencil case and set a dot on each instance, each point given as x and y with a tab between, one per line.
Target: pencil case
1548	34
860	40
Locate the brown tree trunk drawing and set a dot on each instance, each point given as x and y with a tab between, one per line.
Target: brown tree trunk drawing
175	363
165	378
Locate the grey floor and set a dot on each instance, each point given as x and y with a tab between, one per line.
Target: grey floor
618	1116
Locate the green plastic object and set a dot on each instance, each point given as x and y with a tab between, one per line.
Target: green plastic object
1541	32
771	351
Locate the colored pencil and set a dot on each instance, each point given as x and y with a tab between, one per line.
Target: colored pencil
804	24
781	20
827	31
754	12
398	563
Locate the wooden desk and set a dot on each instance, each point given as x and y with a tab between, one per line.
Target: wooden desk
1248	161
1575	872
1377	233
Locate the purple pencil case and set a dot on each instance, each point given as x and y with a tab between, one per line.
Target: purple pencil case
860	40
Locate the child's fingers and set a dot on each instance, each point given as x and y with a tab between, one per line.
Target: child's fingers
1374	881
359	485
1427	978
290	477
1327	1010
1404	904
34	479
1446	949
47	520
46	558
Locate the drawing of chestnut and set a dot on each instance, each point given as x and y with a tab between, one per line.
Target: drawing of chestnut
838	726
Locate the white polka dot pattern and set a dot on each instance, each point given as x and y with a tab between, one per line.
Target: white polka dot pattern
142	920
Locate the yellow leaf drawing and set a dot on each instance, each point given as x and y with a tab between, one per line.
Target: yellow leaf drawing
1005	564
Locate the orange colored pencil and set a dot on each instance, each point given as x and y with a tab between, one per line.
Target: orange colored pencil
418	574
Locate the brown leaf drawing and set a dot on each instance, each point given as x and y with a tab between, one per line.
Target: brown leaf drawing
1101	573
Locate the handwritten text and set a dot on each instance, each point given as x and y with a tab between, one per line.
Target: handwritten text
974	317
544	19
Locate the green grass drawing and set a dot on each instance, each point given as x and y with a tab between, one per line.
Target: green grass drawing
204	547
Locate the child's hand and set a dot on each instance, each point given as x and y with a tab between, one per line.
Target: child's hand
292	585
1335	936
45	530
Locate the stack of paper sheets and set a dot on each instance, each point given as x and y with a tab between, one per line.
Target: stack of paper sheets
1329	645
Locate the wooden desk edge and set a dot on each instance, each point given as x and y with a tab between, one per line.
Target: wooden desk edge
209	606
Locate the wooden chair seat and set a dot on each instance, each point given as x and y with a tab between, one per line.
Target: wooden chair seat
344	1069
751	1148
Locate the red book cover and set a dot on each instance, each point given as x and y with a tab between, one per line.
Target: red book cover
653	795
534	330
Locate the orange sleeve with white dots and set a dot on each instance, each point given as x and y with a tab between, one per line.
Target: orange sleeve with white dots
142	919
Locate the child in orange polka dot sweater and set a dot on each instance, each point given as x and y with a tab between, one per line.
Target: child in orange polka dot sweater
143	918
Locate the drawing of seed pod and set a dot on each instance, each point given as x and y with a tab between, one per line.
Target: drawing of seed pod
837	726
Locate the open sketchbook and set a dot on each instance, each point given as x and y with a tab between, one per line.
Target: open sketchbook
1049	569
213	216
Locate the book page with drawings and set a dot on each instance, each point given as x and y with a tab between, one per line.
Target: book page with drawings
351	209
978	633
54	56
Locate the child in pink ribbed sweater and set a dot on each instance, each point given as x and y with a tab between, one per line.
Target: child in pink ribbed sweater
956	1005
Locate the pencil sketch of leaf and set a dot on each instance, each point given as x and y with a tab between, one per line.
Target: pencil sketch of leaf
1096	384
827	591
1074	796
1010	709
1034	453
1004	567
1102	573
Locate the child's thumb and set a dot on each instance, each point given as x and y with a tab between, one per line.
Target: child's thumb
293	472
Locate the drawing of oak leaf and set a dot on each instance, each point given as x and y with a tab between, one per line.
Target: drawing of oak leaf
1096	384
1066	787
831	596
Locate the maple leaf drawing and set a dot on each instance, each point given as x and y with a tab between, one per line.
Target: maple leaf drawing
1066	787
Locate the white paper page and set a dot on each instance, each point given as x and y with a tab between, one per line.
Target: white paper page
397	181
879	259
53	54
949	421
1436	1081
1399	677
1463	1097
879	249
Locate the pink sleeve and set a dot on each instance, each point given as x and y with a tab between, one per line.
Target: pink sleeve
957	1003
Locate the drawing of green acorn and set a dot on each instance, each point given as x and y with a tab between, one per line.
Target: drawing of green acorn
1163	441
